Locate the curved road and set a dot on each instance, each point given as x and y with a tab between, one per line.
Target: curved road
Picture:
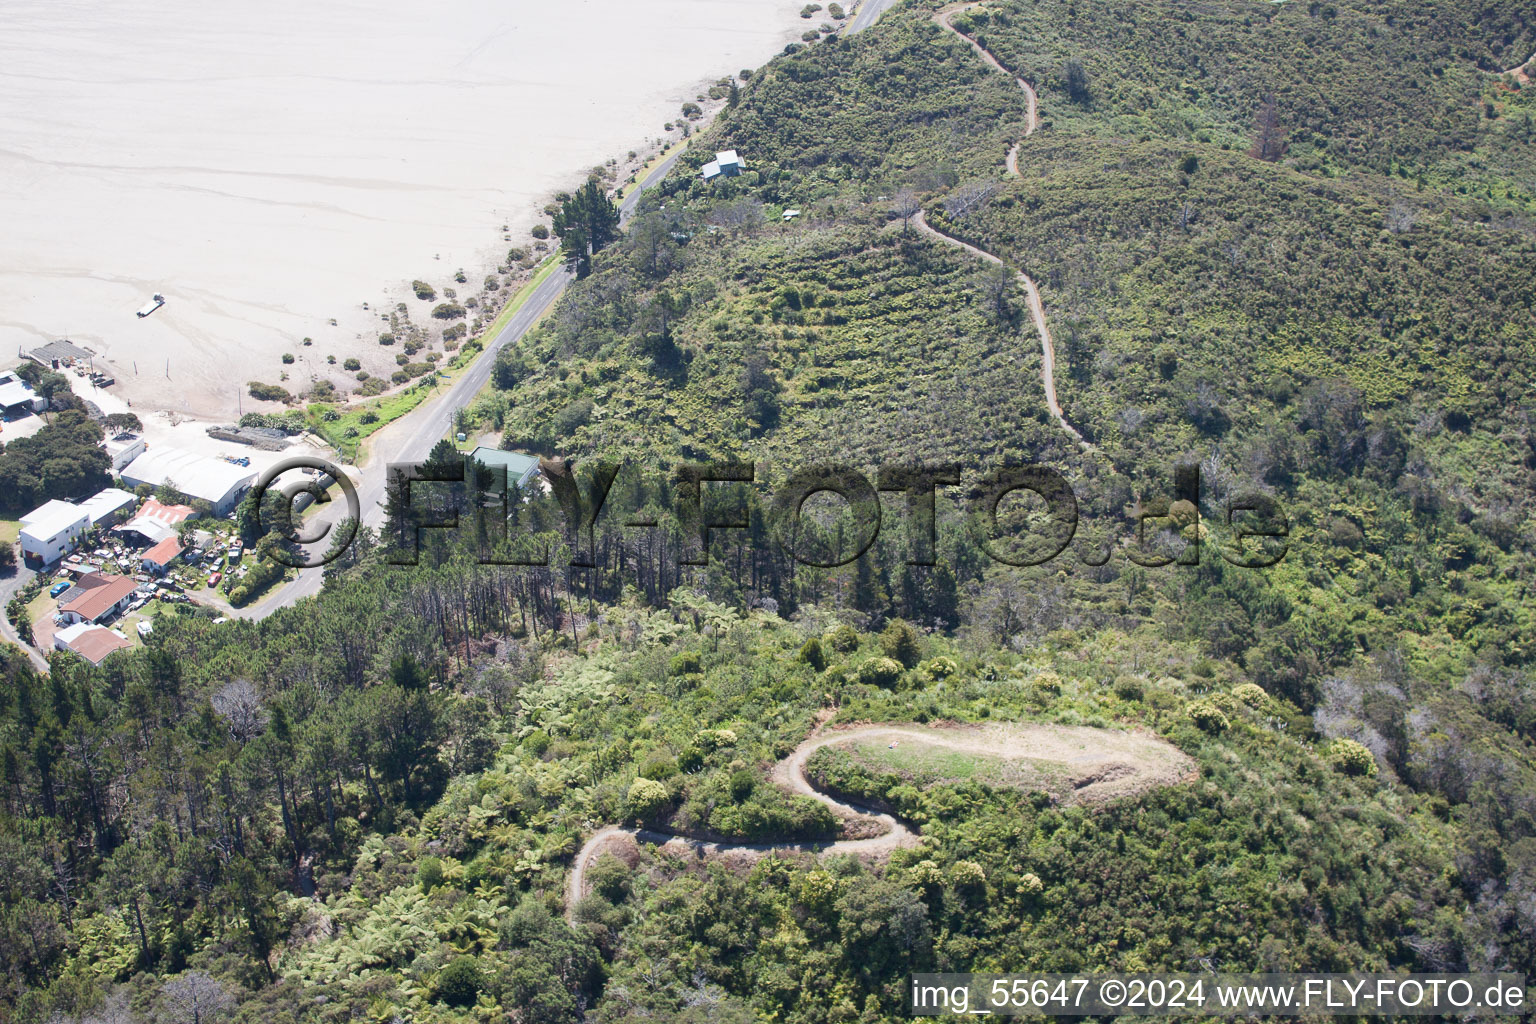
410	438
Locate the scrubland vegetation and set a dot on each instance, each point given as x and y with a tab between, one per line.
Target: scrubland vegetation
1289	244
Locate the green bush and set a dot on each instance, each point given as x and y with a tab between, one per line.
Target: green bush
424	291
269	392
1351	758
880	672
287	357
842	638
540	231
351	364
940	668
1208	717
1128	688
685	663
1251	695
812	654
429	873
460	982
448	311
646	797
901	642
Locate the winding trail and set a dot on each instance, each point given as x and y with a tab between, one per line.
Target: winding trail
1522	72
1098	763
944	18
788	773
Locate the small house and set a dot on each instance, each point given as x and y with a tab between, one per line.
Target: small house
158	558
726	164
93	643
97	597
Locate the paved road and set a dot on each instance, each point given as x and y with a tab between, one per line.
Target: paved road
9	586
869	13
410	438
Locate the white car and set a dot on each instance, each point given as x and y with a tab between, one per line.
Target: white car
145	628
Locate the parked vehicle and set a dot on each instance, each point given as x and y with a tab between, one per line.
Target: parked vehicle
213	580
59	588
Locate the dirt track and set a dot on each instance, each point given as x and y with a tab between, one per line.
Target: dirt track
1109	764
1036	308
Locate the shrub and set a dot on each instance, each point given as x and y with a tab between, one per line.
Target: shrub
540	231
940	668
809	9
1030	884
692	111
685	663
460	982
968	874
880	672
812	654
429	873
899	641
842	639
287	357
1128	688
1224	702
1351	758
268	392
835	12
1251	695
572	417
352	364
448	311
810	35
659	768
424	291
1048	682
1208	717
646	797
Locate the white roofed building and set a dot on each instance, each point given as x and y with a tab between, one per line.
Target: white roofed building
123	448
219	483
17	396
104	504
51	531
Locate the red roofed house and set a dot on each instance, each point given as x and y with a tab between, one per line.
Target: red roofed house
97	596
159	558
93	643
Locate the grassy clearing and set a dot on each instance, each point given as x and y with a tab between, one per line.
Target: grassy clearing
10	530
923	764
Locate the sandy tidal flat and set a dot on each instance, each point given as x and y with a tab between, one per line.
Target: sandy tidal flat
269	167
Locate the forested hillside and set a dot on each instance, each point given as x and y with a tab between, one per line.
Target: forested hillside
1289	244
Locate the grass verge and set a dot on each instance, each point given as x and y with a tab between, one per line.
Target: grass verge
345	429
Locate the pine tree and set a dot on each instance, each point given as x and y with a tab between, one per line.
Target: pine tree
586	224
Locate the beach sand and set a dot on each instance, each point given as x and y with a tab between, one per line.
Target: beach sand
272	167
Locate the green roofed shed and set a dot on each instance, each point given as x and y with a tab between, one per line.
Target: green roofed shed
520	468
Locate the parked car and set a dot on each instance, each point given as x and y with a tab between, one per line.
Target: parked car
59	588
213	580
